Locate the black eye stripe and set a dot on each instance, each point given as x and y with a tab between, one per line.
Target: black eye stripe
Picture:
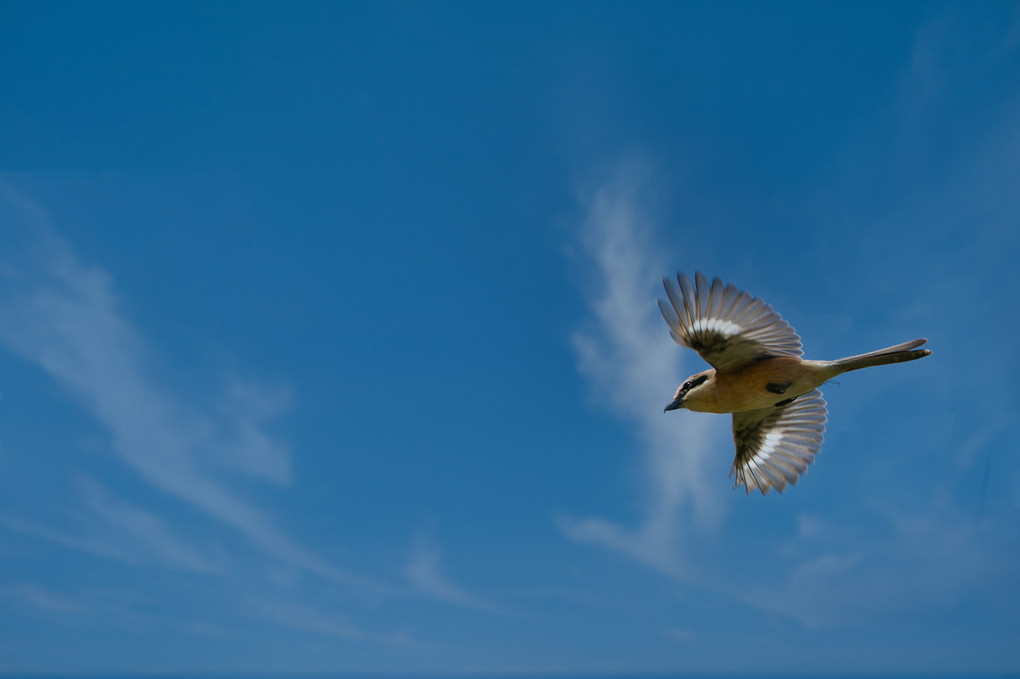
690	384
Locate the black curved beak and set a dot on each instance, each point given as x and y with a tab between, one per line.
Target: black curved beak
675	404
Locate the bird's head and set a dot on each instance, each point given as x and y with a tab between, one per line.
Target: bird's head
691	384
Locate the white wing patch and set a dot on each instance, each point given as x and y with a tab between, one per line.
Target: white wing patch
729	328
776	445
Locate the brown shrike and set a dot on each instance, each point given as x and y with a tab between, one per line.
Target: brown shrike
757	374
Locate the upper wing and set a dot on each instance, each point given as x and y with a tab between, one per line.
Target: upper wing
729	328
776	445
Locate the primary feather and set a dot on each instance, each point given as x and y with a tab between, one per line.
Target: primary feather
729	328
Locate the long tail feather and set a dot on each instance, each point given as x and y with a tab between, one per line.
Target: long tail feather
907	351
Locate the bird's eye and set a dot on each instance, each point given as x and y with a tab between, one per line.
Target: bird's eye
687	385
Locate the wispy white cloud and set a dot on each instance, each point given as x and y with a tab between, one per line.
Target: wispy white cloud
124	608
633	367
40	599
128	528
925	559
307	618
237	440
423	571
85	544
64	316
328	624
116	529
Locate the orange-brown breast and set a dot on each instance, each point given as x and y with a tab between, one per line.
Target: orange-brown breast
761	384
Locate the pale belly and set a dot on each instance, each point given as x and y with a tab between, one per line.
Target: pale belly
761	385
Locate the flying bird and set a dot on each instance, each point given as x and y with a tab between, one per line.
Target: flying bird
758	375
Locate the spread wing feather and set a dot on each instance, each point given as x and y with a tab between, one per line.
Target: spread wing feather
728	327
776	445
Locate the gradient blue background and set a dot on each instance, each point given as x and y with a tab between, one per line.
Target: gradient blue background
328	335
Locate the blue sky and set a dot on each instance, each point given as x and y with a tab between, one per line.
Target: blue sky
329	339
